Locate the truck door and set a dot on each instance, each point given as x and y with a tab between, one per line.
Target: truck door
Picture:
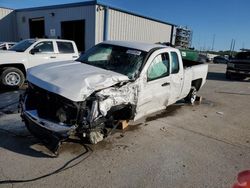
155	87
176	77
66	51
42	52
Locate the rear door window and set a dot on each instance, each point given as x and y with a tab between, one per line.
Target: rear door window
65	47
174	63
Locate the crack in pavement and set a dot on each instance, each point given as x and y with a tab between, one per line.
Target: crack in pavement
6	177
209	136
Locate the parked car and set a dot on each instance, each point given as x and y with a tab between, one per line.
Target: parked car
112	81
6	45
32	52
203	58
220	59
239	66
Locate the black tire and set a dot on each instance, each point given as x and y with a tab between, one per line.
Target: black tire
12	77
228	76
191	97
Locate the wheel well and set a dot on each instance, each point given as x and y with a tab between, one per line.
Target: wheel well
197	83
122	112
19	66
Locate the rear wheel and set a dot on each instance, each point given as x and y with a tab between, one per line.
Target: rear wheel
228	76
12	77
191	96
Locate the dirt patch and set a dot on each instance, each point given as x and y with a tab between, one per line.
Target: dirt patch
132	128
208	102
103	145
73	148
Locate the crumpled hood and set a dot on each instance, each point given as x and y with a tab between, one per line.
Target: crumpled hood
73	80
12	57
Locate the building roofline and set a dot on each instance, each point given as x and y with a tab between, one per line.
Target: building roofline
94	2
6	8
86	3
136	14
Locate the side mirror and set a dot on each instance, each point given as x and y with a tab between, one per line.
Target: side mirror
34	51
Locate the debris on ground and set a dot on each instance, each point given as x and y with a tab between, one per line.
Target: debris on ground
163	129
220	113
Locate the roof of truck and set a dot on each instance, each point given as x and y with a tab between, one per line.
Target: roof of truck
136	45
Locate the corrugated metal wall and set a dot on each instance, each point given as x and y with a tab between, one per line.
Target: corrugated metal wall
121	25
7	25
125	26
99	25
54	22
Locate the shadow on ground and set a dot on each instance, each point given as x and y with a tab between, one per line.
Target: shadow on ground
26	144
21	144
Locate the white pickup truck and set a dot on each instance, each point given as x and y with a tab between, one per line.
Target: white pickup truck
32	52
112	81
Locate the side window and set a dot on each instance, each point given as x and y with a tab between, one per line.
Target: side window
65	47
159	67
174	63
44	47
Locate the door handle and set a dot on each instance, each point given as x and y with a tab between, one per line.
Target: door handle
165	84
75	56
52	56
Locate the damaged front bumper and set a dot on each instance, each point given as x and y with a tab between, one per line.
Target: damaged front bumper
50	133
53	118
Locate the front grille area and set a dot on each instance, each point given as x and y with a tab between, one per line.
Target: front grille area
242	66
51	106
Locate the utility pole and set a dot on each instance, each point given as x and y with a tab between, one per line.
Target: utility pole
213	42
232	47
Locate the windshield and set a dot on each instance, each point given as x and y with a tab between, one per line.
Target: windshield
23	45
115	58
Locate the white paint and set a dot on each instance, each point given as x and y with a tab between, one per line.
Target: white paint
73	80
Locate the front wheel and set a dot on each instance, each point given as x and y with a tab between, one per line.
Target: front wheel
191	97
12	77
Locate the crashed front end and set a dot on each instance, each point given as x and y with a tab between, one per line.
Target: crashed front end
53	118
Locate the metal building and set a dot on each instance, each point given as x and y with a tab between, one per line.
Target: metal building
7	25
88	23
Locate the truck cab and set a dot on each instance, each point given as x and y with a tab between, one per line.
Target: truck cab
30	53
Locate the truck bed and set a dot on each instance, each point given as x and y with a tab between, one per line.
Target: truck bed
189	63
193	71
